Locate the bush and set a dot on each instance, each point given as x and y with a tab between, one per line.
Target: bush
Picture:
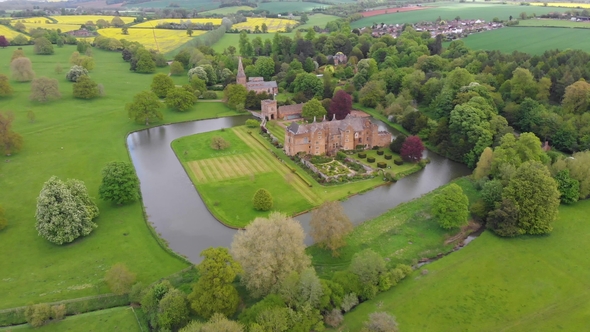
340	155
119	279
381	164
381	322
362	155
209	95
218	143
251	123
58	312
349	301
262	200
371	160
398	161
334	318
388	157
75	72
380	152
38	314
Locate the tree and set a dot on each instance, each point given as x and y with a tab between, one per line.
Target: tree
397	143
577	98
309	84
3	220
199	85
161	84
176	68
313	110
218	143
262	200
381	322
38	314
64	211
341	105
330	226
173	310
214	291
514	152
180	99
491	193
412	149
18	53
235	96
145	108
4	42
10	142
484	165
43	46
119	279
189	31
85	88
22	69
117	22
264	28
5	88
369	267
75	73
504	219
372	94
569	189
119	183
268	250
265	67
451	207
219	323
535	195
145	64
44	89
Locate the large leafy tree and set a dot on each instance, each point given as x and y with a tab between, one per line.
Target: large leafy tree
145	108
313	109
10	141
85	88
64	211
577	97
214	291
119	183
235	96
265	67
451	207
535	195
515	151
484	165
372	94
22	69
43	46
5	88
569	188
4	42
340	106
269	250
161	84
180	99
44	89
504	219
309	84
330	226
412	149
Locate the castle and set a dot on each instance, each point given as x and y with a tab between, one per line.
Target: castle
327	137
256	84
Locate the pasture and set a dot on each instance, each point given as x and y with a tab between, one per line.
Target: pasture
561	4
530	40
83	19
289	6
273	24
163	40
227	10
199	5
73	138
154	23
529	283
8	32
449	11
554	23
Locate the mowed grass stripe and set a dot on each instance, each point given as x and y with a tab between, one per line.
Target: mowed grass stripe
209	175
222	164
236	166
215	175
197	171
255	162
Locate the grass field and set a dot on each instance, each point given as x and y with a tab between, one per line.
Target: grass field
227	10
8	32
562	4
273	24
530	40
401	235
82	19
553	23
119	319
450	11
289	6
91	133
498	284
199	5
154	23
156	39
231	39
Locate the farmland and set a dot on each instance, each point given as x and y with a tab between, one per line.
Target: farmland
154	23
200	5
273	24
157	39
561	4
46	24
532	283
8	32
554	23
82	19
530	40
226	10
289	6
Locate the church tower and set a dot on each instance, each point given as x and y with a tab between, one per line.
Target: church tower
241	76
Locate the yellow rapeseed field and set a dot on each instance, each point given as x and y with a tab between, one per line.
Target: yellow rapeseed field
7	32
562	4
41	22
273	24
82	19
157	39
154	23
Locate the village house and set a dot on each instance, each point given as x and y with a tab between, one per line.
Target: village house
257	84
449	29
328	137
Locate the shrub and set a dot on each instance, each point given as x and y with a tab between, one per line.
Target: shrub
349	301
58	312
262	200
75	72
137	292
381	164
380	152
381	322
334	318
119	279
388	156
398	161
340	155
362	155
371	160
38	314
218	143
375	148
209	95
251	123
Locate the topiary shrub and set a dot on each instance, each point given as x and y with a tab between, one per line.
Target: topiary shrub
362	155
262	200
388	157
371	159
375	147
380	153
381	164
398	161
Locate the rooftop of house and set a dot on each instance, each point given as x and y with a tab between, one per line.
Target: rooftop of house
334	127
291	109
261	85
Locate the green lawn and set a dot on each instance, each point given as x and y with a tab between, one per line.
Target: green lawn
448	11
401	235
231	39
530	283
277	130
530	40
75	139
116	319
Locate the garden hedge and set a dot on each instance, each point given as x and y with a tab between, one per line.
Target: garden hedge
362	155
380	152
381	164
371	159
398	161
388	156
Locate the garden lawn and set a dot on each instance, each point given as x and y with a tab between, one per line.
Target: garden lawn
402	235
277	130
530	40
115	319
529	283
74	138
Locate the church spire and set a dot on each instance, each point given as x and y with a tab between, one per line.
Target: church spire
241	76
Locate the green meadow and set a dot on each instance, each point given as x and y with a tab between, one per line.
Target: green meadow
289	6
73	138
554	23
529	283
